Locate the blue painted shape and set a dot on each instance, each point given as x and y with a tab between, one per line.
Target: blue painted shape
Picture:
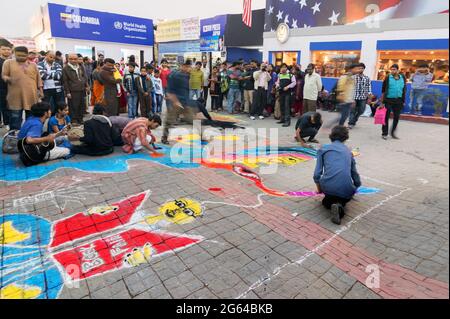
415	44
29	263
15	172
368	190
336	46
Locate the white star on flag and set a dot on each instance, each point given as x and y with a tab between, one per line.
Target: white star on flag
316	8
303	4
334	18
294	24
280	15
286	19
271	10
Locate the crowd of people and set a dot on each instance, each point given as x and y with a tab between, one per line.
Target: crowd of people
53	94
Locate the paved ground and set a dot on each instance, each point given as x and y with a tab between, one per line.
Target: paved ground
250	242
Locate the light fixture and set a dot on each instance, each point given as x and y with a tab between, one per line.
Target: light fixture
432	52
406	52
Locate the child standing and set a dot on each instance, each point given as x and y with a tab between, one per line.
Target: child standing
130	85
159	93
145	88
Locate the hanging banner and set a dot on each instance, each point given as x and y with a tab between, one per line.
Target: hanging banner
178	30
212	34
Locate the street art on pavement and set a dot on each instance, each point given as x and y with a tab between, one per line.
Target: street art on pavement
39	257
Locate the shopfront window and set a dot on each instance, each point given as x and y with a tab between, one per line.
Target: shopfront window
290	58
409	61
333	63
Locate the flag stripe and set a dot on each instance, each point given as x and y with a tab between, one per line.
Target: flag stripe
247	15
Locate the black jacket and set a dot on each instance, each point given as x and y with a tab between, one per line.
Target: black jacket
99	133
386	88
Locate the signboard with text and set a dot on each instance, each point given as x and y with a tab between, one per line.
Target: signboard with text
75	23
178	30
212	34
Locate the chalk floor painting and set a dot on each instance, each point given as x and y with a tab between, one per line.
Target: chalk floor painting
189	153
39	257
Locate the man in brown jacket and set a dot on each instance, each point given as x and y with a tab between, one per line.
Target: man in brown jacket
24	86
111	100
76	86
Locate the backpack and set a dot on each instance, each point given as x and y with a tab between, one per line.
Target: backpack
10	141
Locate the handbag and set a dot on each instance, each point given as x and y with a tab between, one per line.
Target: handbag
380	116
10	141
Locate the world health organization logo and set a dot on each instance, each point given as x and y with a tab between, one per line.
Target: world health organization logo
118	25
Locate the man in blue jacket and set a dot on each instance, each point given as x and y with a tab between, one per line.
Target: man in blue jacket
336	175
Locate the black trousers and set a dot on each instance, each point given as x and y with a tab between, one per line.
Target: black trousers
89	150
393	106
53	97
215	102
259	102
285	106
77	106
309	132
4	114
330	200
205	94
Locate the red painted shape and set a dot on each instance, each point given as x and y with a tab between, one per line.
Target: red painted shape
108	254
215	189
157	155
82	225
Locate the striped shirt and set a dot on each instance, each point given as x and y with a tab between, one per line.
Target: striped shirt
363	87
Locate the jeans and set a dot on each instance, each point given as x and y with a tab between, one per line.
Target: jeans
345	112
234	95
53	97
157	107
359	109
395	106
132	105
416	99
15	119
310	132
195	94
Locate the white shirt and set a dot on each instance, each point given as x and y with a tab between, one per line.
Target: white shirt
157	83
262	79
205	76
313	85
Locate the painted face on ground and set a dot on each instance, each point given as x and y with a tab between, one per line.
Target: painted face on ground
181	211
102	210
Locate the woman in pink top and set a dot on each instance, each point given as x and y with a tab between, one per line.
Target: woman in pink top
138	135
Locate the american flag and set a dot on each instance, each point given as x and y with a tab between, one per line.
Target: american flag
247	15
315	13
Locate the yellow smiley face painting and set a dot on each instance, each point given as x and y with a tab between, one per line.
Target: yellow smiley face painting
179	212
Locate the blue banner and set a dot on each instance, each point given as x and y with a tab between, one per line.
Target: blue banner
75	23
211	33
179	47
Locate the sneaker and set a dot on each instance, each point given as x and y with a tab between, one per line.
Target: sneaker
337	210
280	122
252	118
165	141
261	117
351	127
313	141
395	137
384	137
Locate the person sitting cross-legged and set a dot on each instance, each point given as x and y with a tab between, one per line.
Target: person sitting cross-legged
336	175
308	126
31	133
